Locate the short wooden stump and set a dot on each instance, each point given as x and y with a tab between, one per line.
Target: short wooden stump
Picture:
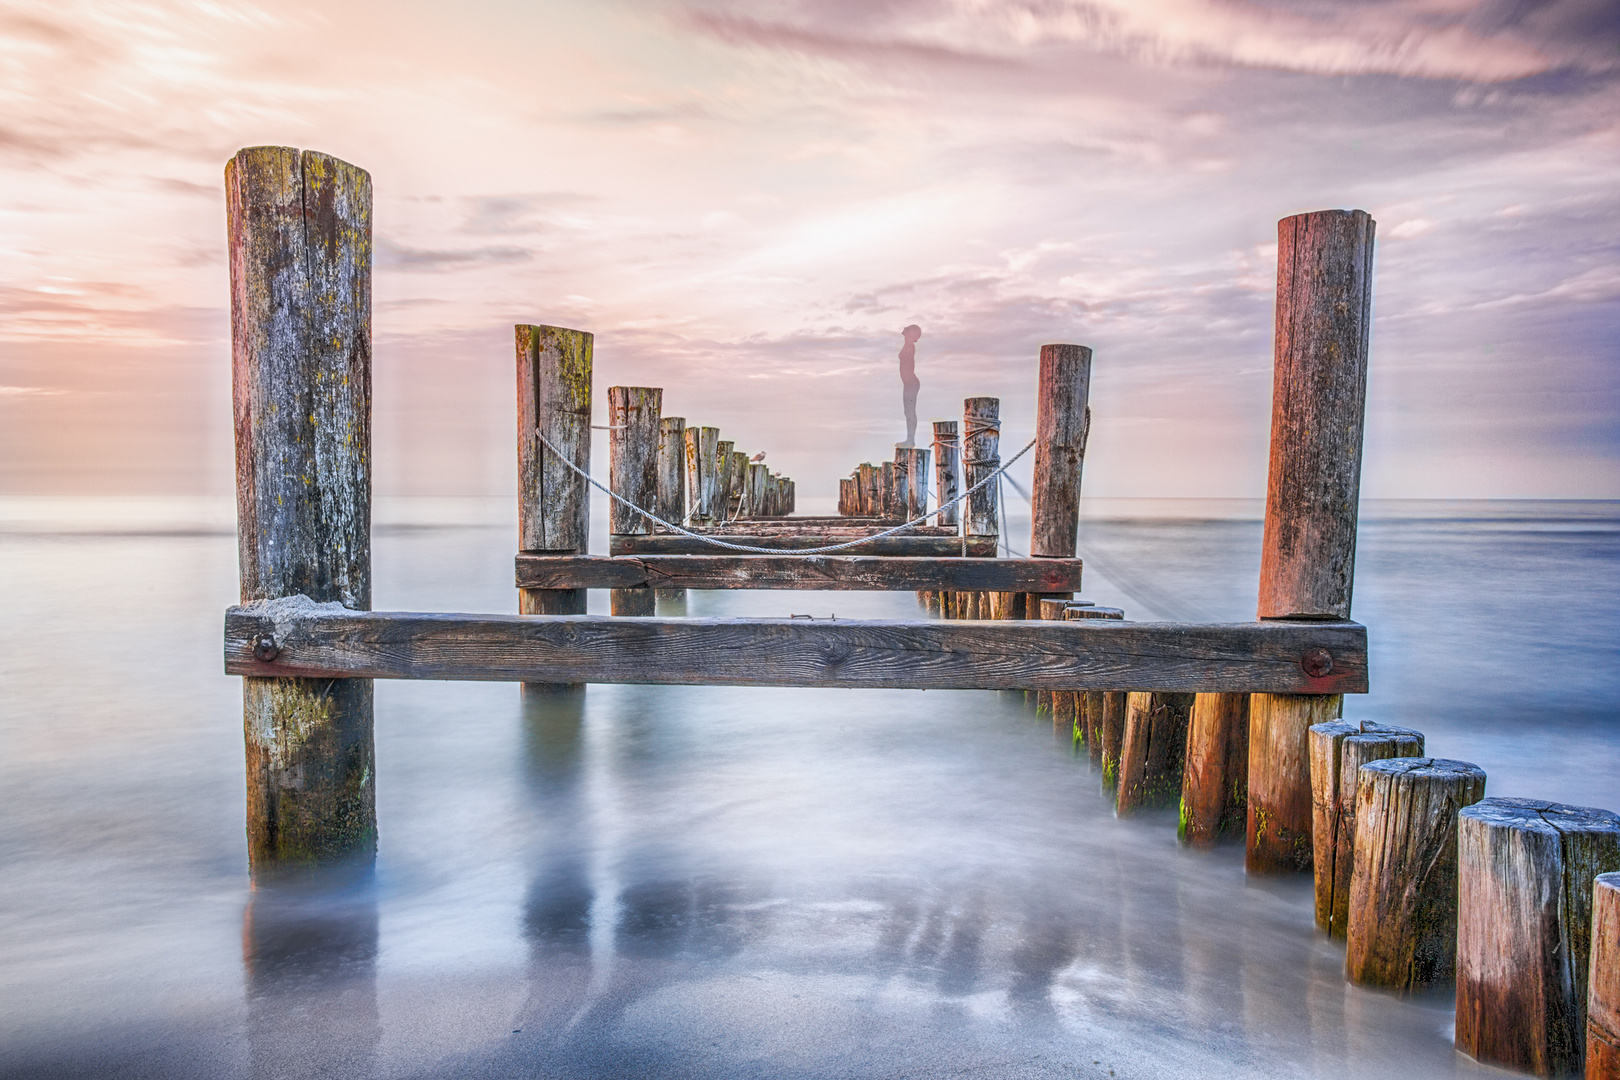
1524	920
1603	989
1402	929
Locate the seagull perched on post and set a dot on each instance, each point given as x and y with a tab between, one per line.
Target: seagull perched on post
758	457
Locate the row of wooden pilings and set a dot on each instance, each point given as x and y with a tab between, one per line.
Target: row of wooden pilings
1527	919
898	490
697	478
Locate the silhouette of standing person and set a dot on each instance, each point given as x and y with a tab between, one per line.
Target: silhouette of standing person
908	380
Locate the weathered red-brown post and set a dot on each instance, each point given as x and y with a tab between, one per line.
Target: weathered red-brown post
1307	561
299	231
1215	783
947	471
634	413
1061	420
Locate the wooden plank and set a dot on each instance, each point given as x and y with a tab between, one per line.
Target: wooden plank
299	236
843	572
982	547
300	638
1061	416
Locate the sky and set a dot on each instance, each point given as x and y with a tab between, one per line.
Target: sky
747	201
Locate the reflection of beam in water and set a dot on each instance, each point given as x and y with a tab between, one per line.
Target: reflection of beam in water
309	953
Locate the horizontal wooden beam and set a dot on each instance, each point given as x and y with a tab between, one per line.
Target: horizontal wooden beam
297	637
980	547
849	572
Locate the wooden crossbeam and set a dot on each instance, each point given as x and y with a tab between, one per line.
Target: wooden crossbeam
296	637
848	572
980	547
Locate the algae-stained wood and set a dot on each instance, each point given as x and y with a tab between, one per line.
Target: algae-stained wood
1153	750
1215	781
316	641
872	573
554	401
299	234
982	547
633	415
1278	833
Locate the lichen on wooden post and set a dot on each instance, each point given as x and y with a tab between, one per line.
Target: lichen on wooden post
554	407
633	416
672	469
299	236
1307	560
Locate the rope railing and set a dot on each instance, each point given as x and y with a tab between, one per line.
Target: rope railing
654	518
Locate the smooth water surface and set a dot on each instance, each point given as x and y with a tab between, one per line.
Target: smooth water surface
725	882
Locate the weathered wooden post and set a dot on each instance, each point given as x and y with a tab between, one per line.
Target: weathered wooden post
886	500
1603	982
846	497
792	498
1524	918
739	484
1402	929
1113	733
1307	560
981	456
911	482
672	469
554	402
871	490
723	451
702	472
754	491
1091	711
1215	782
634	413
1152	750
1061	420
947	470
1338	750
299	234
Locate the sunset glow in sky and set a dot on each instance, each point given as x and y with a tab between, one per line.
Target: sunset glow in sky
747	201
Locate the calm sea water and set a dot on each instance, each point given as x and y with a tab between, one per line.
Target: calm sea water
687	881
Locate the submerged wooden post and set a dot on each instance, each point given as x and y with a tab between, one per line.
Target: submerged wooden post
672	469
1215	783
1061	417
1307	560
1524	919
981	456
554	404
1091	712
1402	931
1603	981
947	471
1113	734
1152	750
299	234
633	416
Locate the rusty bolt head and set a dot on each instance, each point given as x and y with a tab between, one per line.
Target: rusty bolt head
265	648
1316	662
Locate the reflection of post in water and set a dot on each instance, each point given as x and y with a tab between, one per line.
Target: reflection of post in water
557	910
309	955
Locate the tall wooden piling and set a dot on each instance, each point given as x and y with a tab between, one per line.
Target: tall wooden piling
299	246
910	482
1152	750
634	413
886	497
1061	421
739	483
947	470
723	462
1215	782
981	456
1524	920
672	469
554	404
871	490
1307	562
1113	734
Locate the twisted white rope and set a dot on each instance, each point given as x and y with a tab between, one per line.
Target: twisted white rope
650	516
